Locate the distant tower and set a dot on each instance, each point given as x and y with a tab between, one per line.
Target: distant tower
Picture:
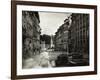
43	45
52	45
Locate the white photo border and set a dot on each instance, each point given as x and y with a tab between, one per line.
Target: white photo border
35	71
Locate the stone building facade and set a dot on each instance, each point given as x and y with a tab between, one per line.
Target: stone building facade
61	37
78	36
30	33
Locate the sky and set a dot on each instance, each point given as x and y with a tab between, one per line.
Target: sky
50	22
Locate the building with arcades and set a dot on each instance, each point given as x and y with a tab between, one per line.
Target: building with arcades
78	36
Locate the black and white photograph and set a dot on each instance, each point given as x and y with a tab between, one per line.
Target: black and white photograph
54	39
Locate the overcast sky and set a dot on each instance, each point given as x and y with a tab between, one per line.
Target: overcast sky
50	22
